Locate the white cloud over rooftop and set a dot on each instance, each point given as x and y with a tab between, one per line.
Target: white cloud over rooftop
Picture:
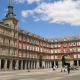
63	11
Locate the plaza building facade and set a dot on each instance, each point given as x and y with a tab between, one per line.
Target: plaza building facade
23	49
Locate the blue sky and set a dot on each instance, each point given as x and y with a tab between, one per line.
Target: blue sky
46	18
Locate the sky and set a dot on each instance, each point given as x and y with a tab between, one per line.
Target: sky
46	18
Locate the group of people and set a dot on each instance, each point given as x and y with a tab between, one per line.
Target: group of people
68	69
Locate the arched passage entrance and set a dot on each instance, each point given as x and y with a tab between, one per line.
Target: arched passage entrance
40	61
13	64
24	64
8	64
65	60
2	63
19	64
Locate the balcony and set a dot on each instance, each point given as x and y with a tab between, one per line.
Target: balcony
6	34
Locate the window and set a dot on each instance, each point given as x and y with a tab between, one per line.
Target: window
52	51
56	56
65	50
58	50
78	55
58	44
65	39
64	44
79	49
55	45
75	56
55	51
3	41
78	43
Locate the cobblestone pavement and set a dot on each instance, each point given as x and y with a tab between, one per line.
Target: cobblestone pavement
39	74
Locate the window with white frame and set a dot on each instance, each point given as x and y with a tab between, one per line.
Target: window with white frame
55	45
74	43
56	57
20	45
78	43
75	56
51	45
65	39
58	50
41	49
58	44
24	47
55	51
78	55
70	49
52	57
27	46
36	48
52	51
78	49
71	43
65	50
65	44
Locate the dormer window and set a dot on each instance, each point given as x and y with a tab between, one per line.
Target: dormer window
56	40
65	39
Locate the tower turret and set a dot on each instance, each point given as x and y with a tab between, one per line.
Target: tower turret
10	13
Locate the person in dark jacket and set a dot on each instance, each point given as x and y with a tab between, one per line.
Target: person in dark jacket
68	69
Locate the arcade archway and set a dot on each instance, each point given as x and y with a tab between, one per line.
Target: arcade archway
2	63
40	61
8	64
65	60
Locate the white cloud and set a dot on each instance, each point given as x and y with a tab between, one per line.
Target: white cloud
63	11
36	18
19	1
31	1
26	13
5	9
23	20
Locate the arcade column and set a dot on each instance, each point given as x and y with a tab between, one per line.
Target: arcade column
0	64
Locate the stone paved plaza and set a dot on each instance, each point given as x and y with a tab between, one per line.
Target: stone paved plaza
39	74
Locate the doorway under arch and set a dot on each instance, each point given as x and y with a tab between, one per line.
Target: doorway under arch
2	63
8	64
65	60
40	61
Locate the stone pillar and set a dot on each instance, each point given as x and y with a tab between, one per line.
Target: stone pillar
28	63
25	65
71	63
0	64
21	64
60	64
37	64
5	65
43	64
31	64
11	64
17	64
54	64
50	64
77	63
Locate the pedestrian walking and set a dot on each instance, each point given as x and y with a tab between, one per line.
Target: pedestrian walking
68	69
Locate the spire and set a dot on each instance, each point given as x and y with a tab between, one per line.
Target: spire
10	13
10	2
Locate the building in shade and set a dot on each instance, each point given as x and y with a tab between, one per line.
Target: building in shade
21	49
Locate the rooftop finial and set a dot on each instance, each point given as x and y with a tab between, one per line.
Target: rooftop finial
10	2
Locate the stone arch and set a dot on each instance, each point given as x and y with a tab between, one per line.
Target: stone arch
65	60
40	61
2	63
13	64
8	64
19	65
